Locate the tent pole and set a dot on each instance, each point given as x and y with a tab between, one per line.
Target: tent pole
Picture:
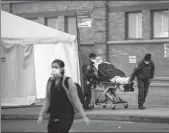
80	61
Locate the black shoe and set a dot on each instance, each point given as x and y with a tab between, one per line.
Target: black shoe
144	107
89	107
85	107
141	107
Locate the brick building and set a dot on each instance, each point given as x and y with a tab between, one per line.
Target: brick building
119	29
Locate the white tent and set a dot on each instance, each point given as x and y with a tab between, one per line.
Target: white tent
28	48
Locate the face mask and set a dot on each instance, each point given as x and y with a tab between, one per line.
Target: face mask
146	62
56	72
92	60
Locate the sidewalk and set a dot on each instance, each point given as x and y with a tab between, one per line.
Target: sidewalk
151	114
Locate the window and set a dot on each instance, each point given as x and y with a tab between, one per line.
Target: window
34	19
52	22
71	26
134	25
160	24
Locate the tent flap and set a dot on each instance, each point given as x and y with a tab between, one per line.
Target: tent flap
64	51
18	101
17	72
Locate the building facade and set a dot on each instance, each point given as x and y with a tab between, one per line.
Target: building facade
119	29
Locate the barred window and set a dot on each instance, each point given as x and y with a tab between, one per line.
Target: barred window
160	24
72	25
52	22
134	21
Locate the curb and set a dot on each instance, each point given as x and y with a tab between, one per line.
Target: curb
131	118
40	105
148	119
22	106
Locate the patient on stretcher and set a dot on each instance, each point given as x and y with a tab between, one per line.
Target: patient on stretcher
107	72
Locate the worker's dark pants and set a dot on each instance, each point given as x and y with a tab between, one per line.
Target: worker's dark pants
143	86
87	95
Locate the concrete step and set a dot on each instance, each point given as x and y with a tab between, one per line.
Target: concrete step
153	97
151	114
150	100
150	93
160	80
153	84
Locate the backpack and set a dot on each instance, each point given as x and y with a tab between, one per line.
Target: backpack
79	90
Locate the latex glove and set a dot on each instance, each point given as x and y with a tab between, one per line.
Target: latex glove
40	119
86	120
96	73
130	81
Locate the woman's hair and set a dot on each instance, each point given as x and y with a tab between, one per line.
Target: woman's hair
61	65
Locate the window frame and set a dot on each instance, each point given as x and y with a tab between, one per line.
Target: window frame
152	23
32	19
66	23
46	20
127	25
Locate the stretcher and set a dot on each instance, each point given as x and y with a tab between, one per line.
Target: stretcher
108	96
108	86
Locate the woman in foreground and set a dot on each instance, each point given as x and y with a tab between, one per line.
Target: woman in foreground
61	102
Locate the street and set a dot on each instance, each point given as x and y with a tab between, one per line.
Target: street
79	126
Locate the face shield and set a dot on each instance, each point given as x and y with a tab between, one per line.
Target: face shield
99	61
93	60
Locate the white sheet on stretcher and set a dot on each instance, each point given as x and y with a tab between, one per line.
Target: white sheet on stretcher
120	80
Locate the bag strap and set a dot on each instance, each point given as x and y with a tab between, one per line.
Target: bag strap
65	85
49	84
66	82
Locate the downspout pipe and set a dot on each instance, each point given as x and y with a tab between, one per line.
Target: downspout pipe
10	8
107	28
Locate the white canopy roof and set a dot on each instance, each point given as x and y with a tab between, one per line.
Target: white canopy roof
18	28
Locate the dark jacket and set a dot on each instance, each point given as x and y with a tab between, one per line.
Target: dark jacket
143	71
88	72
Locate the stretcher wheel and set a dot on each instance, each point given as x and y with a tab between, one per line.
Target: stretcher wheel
126	105
113	107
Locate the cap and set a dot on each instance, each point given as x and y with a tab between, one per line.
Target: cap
147	57
92	55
